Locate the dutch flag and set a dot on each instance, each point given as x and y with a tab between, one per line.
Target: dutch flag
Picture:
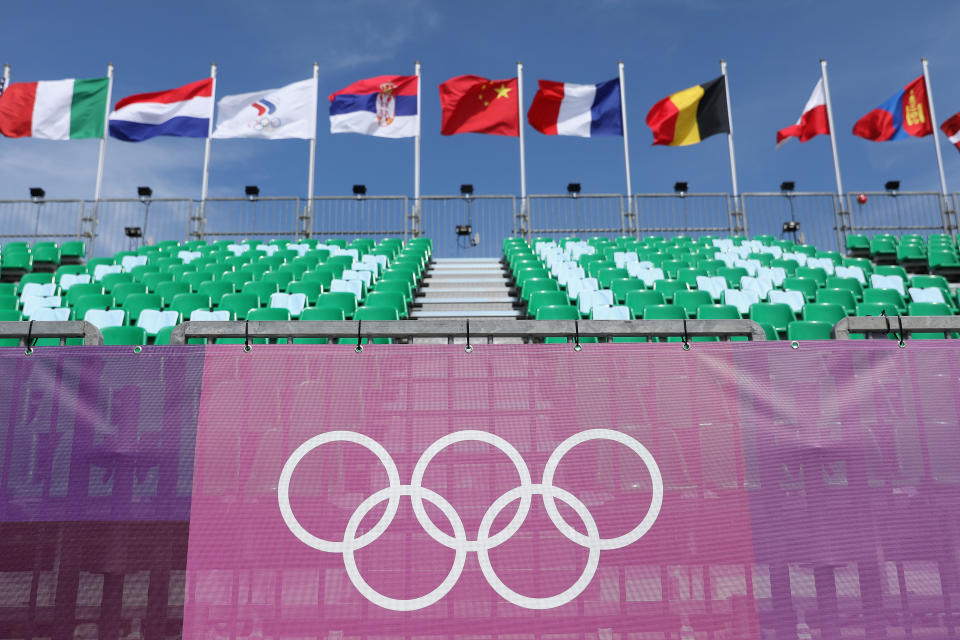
185	112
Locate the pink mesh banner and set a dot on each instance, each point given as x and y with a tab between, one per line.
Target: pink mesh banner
624	491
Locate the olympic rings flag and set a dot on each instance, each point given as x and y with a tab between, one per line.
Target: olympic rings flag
484	541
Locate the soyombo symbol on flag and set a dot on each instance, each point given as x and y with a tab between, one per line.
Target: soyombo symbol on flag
273	114
472	104
55	110
562	108
691	115
812	122
384	106
185	111
905	113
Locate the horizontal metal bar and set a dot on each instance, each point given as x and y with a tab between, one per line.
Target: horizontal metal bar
437	328
24	330
892	324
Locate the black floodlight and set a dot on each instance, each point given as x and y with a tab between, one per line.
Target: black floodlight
144	193
787	186
36	193
466	189
133	232
680	187
359	190
252	191
892	185
791	226
573	188
464	229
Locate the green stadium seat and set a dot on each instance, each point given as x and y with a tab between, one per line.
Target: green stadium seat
237	279
46	256
928	309
91	301
809	330
857	244
154	279
717	312
121	291
216	289
691	301
776	314
544	299
817	274
134	303
732	275
9	302
281	278
262	289
850	284
385	299
185	303
843	297
124	336
807	286
886	296
8	289
828	312
313	290
240	304
621	286
197	278
324	276
318	313
373	313
72	251
664	312
39	278
167	290
877	309
669	288
637	301
345	301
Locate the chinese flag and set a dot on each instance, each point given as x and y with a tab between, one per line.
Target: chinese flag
472	104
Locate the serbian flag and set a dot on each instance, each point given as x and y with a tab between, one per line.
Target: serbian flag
692	115
813	121
185	112
384	106
472	104
952	128
585	110
906	113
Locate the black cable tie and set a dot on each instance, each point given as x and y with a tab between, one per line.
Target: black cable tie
686	341
29	337
576	338
468	348
246	335
359	347
900	337
883	314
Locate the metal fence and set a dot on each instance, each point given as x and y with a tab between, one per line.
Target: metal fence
467	226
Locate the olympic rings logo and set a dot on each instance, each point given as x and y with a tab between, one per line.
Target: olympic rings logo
264	122
485	540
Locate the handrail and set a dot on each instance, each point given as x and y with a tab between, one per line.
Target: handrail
26	330
894	324
458	328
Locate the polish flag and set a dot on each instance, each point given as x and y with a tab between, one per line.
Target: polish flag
812	122
952	128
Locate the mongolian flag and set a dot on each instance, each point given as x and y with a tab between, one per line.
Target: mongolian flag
906	113
691	115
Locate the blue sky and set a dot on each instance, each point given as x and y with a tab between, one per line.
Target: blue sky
772	49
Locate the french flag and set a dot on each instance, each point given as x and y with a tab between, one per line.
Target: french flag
585	110
813	121
185	112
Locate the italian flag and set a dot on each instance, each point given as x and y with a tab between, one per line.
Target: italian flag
54	110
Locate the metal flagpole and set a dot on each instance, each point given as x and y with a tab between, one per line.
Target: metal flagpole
733	161
626	146
936	142
417	212
313	156
836	161
106	130
90	222
523	154
202	221
6	76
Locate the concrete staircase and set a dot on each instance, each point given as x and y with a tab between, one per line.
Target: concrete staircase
465	288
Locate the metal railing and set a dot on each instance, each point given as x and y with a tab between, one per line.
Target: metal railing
485	330
475	225
28	331
902	326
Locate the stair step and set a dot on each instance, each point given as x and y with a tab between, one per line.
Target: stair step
473	300
467	313
439	290
465	280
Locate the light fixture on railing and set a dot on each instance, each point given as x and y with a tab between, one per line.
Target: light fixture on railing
359	190
144	193
787	186
133	232
466	190
573	188
37	194
680	188
252	191
892	186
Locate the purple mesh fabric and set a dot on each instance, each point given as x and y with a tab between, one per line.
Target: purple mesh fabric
807	493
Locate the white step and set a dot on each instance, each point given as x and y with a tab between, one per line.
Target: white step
440	290
468	313
465	280
473	300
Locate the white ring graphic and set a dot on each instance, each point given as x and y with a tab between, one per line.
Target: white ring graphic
459	542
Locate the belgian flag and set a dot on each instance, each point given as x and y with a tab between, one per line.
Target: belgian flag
691	115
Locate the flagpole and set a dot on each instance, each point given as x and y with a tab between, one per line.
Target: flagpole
936	138
206	154
6	76
313	153
626	144
733	161
833	137
523	154
416	160
106	130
